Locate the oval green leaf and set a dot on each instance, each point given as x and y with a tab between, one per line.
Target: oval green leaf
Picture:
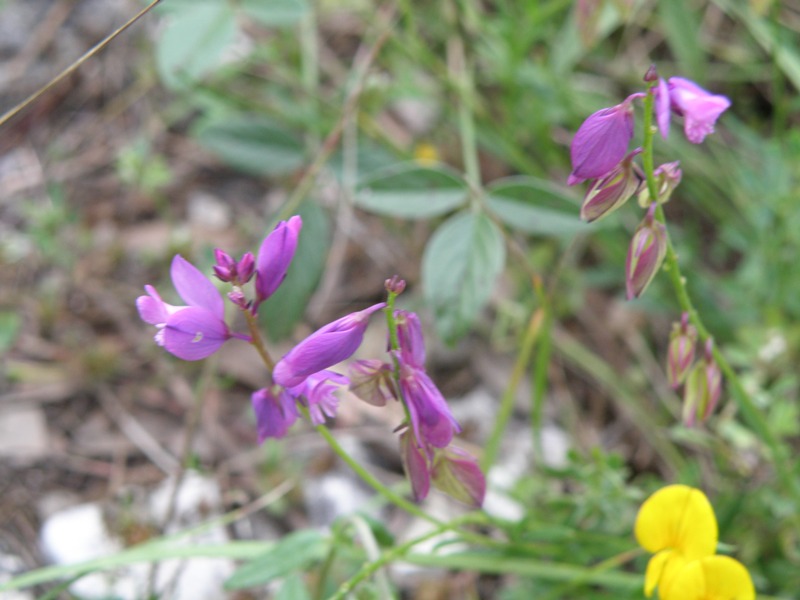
411	191
459	267
535	206
253	144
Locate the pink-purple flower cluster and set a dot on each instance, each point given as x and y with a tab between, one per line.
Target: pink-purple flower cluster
197	329
302	380
600	155
426	450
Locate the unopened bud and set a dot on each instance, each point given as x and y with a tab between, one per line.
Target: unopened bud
236	295
612	190
395	285
680	353
703	389
458	475
667	177
645	254
225	269
245	268
651	75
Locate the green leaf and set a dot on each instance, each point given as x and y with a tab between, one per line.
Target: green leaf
193	42
275	13
10	324
682	30
285	307
534	206
412	191
294	588
253	144
459	267
293	553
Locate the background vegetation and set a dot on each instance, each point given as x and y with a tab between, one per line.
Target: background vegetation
428	139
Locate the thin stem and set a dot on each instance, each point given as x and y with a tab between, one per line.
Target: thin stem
507	401
351	103
461	73
75	65
399	500
391	555
257	341
371	480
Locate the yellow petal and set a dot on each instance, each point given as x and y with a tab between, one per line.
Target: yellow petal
661	570
677	517
711	578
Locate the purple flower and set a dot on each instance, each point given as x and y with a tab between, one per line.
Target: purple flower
601	142
457	474
324	348
700	109
320	392
195	330
275	410
645	255
274	256
612	191
431	419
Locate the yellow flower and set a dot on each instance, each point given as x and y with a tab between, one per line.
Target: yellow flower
711	578
678	525
426	154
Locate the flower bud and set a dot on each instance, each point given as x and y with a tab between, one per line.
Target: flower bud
371	380
645	254
225	268
611	191
667	177
458	475
703	389
245	268
651	75
680	353
395	285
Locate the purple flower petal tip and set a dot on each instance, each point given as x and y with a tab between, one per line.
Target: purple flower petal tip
275	255
699	108
324	348
601	142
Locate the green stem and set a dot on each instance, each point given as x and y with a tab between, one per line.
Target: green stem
462	77
257	341
507	401
389	556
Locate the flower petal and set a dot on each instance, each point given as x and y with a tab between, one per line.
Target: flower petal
324	348
699	108
275	255
275	414
195	288
711	578
416	466
194	333
152	309
601	142
431	419
677	517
